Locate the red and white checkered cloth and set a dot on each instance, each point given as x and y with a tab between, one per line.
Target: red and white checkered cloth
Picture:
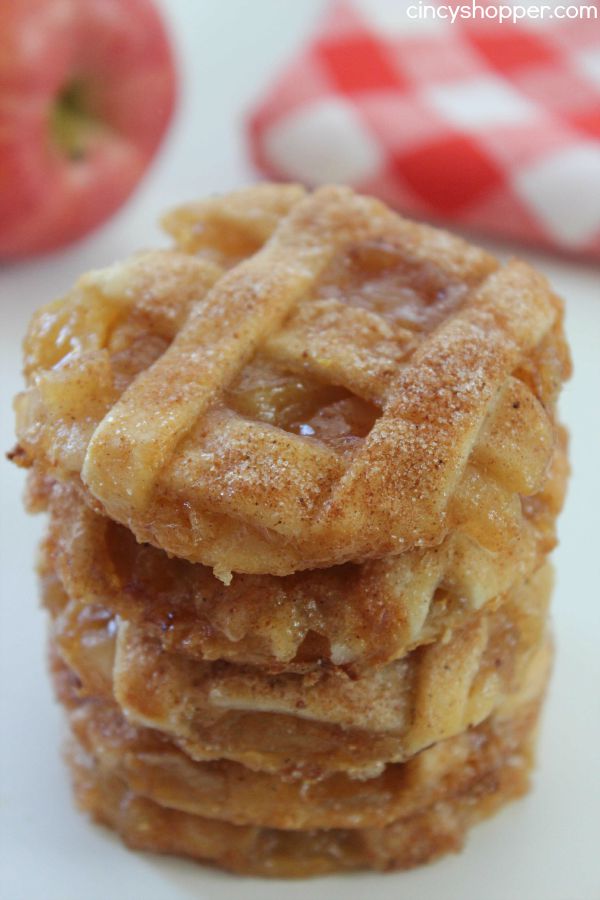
492	126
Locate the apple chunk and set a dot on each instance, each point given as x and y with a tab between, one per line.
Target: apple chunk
87	89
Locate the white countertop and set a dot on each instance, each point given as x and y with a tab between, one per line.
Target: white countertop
543	848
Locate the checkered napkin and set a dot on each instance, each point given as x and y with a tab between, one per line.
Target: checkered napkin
493	126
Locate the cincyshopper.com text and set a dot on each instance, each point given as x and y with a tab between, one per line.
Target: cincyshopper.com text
502	12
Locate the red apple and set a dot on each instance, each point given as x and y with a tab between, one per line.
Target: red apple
87	89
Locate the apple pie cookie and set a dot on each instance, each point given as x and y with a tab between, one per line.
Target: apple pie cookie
153	766
305	725
433	800
309	380
356	615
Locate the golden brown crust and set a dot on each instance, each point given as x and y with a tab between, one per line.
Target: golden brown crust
357	615
154	767
439	358
324	721
414	839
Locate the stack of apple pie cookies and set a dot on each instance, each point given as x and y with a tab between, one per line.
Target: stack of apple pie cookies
302	473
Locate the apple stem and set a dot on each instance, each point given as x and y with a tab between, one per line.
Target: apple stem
72	123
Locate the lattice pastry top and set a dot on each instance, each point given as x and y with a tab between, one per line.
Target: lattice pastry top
306	725
309	379
155	767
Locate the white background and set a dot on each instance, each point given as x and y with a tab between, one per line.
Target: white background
543	848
